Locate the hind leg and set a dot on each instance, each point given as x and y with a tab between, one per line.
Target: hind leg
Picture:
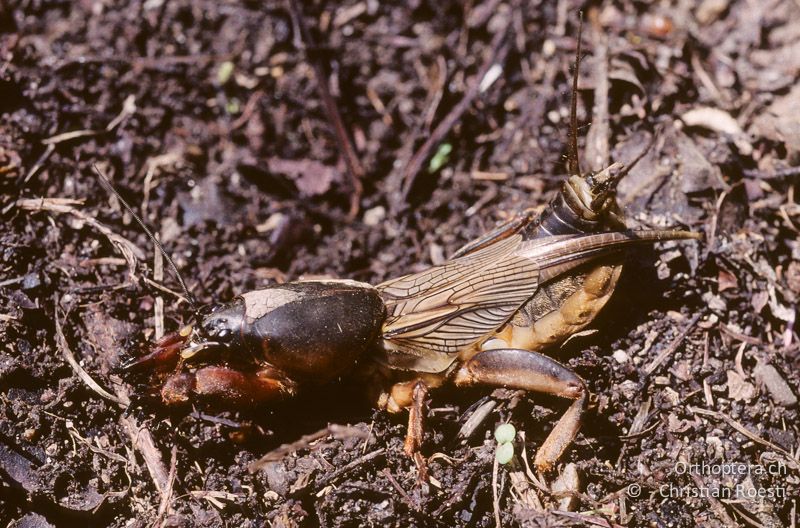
523	369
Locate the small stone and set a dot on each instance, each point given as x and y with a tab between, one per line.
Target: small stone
31	281
677	425
709	10
437	254
768	376
621	356
548	48
628	389
31	520
715	302
277	477
671	396
682	370
716	448
30	434
676	316
662	270
709	322
374	216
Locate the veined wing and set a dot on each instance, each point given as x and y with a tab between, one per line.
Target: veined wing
457	303
460	302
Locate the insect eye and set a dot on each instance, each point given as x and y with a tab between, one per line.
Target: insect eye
205	310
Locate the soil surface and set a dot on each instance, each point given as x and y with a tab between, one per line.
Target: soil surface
210	119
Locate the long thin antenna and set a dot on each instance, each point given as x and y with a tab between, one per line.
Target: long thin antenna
573	162
107	185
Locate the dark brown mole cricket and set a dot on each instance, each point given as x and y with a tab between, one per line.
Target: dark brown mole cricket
485	317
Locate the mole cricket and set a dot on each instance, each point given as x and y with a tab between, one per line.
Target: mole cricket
487	316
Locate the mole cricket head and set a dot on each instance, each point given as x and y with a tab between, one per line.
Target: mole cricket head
221	323
217	326
594	195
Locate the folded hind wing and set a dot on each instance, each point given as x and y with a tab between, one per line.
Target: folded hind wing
436	313
450	306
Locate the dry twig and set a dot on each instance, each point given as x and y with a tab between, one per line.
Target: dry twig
166	497
744	430
79	371
334	430
716	505
128	109
143	441
496	493
129	250
673	346
350	466
347	151
597	139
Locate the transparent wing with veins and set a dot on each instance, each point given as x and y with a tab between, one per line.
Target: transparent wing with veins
460	302
452	305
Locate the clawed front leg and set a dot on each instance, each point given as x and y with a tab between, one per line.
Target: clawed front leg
165	352
523	369
227	385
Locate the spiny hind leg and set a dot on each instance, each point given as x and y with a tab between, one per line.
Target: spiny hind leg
416	428
523	369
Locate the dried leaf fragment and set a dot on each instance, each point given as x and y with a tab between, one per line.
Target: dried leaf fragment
739	388
712	119
779	122
780	391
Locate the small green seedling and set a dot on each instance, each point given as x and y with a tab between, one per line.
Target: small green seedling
224	72
504	453
505	434
232	106
440	158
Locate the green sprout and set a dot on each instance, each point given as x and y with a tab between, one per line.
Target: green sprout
232	106
224	72
440	158
504	453
505	434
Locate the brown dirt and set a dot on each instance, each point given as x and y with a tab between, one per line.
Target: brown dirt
243	179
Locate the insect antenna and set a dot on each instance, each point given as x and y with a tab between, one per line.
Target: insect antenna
108	186
573	163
